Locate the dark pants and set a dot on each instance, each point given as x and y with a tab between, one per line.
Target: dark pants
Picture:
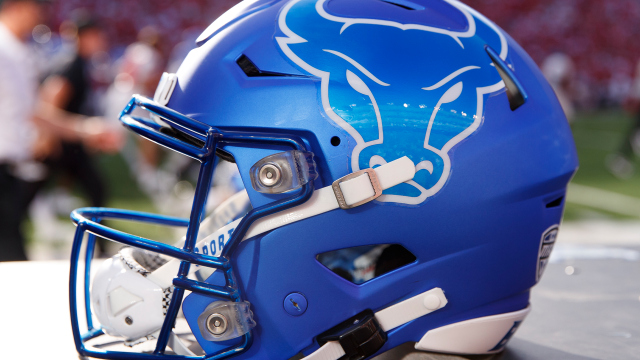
13	207
75	164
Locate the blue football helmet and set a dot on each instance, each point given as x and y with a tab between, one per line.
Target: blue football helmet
405	165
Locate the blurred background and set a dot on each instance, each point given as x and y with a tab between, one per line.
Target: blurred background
88	58
68	67
585	48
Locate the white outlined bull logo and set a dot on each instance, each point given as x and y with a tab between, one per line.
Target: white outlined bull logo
398	89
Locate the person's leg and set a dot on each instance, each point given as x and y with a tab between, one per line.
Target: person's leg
81	167
11	216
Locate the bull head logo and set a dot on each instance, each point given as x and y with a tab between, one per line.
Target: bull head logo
397	88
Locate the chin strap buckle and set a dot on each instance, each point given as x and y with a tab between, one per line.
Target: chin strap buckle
360	336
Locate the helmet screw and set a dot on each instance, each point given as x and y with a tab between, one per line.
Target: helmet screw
128	320
216	324
295	304
269	174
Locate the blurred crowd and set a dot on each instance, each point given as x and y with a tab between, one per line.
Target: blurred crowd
68	67
597	35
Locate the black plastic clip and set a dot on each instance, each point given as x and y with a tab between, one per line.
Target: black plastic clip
360	336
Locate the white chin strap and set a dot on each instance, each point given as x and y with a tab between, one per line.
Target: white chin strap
390	318
350	191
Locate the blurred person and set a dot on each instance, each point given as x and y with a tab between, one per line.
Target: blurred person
18	87
138	72
27	124
621	163
69	90
559	70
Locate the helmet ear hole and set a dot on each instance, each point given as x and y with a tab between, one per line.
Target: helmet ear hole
360	264
393	257
335	141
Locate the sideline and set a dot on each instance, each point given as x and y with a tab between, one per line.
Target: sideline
604	200
608	232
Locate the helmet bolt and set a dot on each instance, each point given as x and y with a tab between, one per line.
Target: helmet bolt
128	320
216	324
270	174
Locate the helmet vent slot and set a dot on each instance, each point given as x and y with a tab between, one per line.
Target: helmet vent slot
408	5
251	70
515	92
363	263
555	203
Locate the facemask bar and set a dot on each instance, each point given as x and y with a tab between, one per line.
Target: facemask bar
88	220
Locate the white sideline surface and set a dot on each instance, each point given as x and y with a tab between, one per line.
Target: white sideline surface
37	303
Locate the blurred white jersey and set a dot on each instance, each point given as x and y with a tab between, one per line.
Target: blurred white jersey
18	87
